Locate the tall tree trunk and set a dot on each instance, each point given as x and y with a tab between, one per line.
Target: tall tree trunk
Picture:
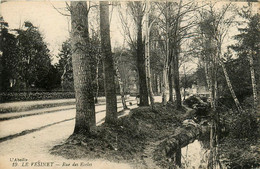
212	149
155	84
97	84
141	65
147	58
63	74
166	60
158	84
154	81
231	88
208	79
170	83
211	71
164	85
215	87
177	79
208	68
108	64
214	83
185	82
82	69
121	86
252	71
213	106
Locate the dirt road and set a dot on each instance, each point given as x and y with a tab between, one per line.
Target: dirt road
28	140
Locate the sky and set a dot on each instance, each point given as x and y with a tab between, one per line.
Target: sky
53	26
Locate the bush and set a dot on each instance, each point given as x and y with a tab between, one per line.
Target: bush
239	148
26	96
239	153
201	107
191	101
243	125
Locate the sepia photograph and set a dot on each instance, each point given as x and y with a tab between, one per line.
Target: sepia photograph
152	84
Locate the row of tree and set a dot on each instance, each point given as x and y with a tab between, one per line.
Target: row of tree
25	59
168	30
160	38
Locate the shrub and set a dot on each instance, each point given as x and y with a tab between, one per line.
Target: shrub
243	125
191	101
201	107
26	96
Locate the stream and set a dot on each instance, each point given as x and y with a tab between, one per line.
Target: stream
194	155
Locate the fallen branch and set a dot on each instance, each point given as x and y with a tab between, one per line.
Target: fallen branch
182	136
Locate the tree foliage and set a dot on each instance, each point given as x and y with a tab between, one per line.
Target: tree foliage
64	66
8	56
26	60
248	43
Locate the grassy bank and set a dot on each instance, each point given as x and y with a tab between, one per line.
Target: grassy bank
131	140
27	107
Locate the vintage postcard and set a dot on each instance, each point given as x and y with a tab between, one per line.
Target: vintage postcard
129	84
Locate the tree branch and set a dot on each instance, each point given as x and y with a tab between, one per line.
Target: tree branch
58	10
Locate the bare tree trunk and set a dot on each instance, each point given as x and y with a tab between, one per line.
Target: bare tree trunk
164	84
158	84
143	91
170	83
211	144
155	84
108	64
215	88
97	84
63	74
177	79
149	81
152	81
211	65
166	61
214	83
206	69
82	69
252	71
121	85
231	88
185	82
147	57
156	87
